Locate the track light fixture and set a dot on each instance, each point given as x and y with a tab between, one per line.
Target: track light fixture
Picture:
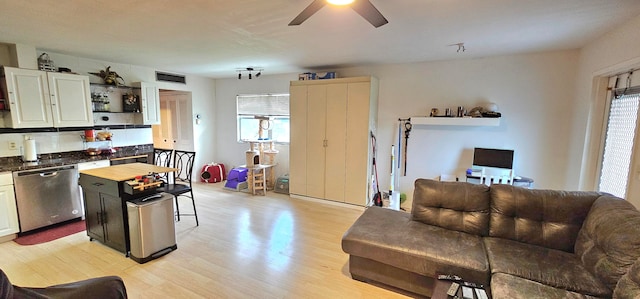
250	70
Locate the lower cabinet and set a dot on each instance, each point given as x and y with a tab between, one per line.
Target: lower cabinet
105	212
8	212
105	220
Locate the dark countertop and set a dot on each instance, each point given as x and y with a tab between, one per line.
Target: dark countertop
67	158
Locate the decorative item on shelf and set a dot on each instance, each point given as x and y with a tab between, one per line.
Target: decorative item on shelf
316	76
250	70
130	102
434	112
89	135
45	63
110	77
100	102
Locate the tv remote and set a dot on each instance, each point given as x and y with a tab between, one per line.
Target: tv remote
453	289
449	277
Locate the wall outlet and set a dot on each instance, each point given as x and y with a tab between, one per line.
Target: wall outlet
13	145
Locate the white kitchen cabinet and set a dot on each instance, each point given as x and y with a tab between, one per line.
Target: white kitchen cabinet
330	151
150	102
42	99
8	211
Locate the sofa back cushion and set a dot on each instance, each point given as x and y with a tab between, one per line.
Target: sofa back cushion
547	218
609	241
456	206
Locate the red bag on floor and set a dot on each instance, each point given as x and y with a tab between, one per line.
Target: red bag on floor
213	173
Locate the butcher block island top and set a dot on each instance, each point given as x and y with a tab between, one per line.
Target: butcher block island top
125	172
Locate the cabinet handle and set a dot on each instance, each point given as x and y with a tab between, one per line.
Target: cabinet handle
325	143
99	218
98	184
104	217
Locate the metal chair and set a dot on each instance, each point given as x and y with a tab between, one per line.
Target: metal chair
180	183
162	157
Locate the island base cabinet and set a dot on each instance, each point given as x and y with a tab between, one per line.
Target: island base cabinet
105	218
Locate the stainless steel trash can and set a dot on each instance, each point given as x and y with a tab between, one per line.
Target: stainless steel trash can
152	231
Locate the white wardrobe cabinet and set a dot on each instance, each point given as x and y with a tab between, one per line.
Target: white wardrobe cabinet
330	151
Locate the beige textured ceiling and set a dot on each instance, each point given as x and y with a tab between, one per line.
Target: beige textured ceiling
214	37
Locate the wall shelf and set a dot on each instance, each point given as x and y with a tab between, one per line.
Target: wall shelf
456	121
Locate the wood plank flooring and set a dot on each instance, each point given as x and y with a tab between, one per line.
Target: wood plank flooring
245	247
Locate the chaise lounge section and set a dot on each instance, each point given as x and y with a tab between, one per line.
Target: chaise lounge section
521	243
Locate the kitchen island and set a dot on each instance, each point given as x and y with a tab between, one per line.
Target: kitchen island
106	192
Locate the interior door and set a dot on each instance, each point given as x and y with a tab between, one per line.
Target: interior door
176	126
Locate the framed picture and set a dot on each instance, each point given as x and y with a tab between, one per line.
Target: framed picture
130	103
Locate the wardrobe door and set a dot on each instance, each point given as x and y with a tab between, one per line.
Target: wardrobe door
336	126
298	140
358	142
316	124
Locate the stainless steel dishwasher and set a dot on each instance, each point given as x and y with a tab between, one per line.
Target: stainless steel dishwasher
47	196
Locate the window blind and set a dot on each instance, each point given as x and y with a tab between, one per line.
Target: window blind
263	105
618	146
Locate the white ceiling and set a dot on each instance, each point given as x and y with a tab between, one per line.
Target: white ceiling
215	37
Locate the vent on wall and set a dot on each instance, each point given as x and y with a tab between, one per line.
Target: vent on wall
167	77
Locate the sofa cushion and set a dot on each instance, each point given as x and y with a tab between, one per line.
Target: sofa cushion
548	218
458	206
551	267
505	286
609	241
629	284
390	237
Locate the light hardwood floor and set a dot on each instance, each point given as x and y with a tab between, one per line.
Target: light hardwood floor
245	247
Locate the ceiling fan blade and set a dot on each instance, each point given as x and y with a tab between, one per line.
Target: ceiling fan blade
369	12
308	12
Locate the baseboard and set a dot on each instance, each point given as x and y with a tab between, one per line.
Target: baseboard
328	202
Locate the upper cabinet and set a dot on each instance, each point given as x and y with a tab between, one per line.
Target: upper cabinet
149	102
39	99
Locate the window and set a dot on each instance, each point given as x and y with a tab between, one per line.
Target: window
618	146
263	117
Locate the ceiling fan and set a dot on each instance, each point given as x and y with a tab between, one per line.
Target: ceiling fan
362	7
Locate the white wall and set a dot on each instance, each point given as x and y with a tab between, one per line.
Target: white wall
229	151
616	51
533	92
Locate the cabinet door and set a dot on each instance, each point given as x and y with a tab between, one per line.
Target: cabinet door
93	214
358	136
70	100
150	100
114	229
336	125
316	127
29	100
8	212
298	140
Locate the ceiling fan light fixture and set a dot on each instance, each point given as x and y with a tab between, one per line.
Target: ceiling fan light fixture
340	2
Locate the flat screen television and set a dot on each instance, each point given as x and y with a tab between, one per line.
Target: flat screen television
489	157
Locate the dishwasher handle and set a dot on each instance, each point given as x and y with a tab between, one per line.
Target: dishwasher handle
48	174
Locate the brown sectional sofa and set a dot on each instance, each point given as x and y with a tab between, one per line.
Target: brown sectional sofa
521	243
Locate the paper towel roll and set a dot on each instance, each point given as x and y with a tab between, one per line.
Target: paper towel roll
30	154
